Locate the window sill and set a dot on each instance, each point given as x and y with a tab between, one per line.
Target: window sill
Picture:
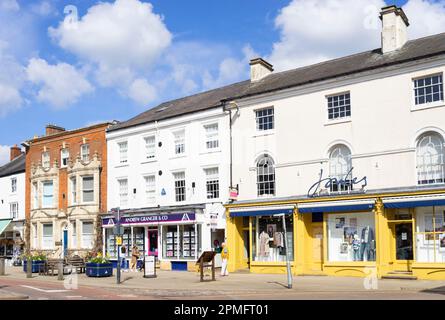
122	165
426	106
151	160
210	151
337	121
178	156
264	133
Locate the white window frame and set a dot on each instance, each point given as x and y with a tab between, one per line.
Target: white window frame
88	190
180	186
73	187
74	234
47	241
179	142
34	234
261	127
123	151
425	104
342	96
150	147
150	188
35	195
44	196
14	210
263	187
46	160
123	194
87	238
85	152
438	166
64	155
212	183
13	185
212	136
340	164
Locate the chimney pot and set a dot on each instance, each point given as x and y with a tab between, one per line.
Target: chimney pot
394	28
259	69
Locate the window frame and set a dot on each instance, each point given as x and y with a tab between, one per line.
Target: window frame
123	153
150	147
14	214
258	117
180	185
416	105
340	118
88	235
441	164
14	185
262	191
120	193
179	142
46	159
88	190
211	137
150	193
85	156
62	165
212	183
44	196
51	237
335	187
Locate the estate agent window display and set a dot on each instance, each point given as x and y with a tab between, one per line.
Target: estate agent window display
268	239
181	242
351	237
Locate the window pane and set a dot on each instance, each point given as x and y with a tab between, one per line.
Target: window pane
428	89
339	106
265	119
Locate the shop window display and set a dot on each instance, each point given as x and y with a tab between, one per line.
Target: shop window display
351	237
181	242
268	243
430	234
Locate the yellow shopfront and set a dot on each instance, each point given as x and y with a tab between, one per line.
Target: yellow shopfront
383	235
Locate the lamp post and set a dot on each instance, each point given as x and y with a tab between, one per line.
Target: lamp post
289	272
117	227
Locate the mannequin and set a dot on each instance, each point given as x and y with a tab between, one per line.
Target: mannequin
367	239
264	244
356	248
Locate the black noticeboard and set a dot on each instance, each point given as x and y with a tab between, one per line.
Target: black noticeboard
207	259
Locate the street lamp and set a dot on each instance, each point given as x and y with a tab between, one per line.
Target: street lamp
117	215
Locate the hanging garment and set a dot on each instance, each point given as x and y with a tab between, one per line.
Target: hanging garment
278	240
264	244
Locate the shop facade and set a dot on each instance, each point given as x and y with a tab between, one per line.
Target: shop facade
391	234
176	237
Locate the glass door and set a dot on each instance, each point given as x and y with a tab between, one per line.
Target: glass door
404	243
153	242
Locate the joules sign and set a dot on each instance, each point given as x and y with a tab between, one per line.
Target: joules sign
342	184
152	219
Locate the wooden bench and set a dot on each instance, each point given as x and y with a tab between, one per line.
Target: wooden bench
77	263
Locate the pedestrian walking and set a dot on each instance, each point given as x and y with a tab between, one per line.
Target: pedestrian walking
225	259
123	261
134	259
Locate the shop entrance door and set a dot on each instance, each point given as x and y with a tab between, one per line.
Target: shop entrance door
403	246
153	242
317	246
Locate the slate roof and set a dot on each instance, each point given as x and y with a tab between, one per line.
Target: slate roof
15	166
372	60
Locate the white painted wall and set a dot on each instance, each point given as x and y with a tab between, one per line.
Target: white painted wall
193	162
7	197
381	133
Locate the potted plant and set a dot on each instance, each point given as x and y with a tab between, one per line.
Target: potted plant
38	259
99	266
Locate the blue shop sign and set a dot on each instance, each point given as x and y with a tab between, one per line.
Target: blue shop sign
152	219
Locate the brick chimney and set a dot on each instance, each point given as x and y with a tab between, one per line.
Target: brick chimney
52	129
15	152
259	69
394	32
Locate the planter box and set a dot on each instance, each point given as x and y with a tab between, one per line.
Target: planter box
35	267
99	269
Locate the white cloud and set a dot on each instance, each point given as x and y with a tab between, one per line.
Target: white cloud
9	5
10	99
126	33
4	154
142	92
43	8
60	84
425	17
11	81
317	30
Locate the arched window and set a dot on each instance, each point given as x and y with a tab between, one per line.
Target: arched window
265	176
430	159
340	165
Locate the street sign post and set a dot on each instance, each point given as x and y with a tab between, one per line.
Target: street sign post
117	236
286	248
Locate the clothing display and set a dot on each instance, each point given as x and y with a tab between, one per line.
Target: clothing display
264	244
278	239
367	248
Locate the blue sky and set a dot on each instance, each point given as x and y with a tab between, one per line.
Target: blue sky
119	58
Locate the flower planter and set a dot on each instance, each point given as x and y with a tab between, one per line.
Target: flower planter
98	269
35	266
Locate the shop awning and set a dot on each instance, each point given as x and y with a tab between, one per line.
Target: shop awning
413	202
337	206
260	211
4	224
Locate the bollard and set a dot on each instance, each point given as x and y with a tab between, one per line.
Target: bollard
2	266
60	271
28	267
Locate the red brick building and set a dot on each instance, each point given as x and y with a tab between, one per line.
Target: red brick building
66	191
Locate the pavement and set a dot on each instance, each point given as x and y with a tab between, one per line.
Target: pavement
177	285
